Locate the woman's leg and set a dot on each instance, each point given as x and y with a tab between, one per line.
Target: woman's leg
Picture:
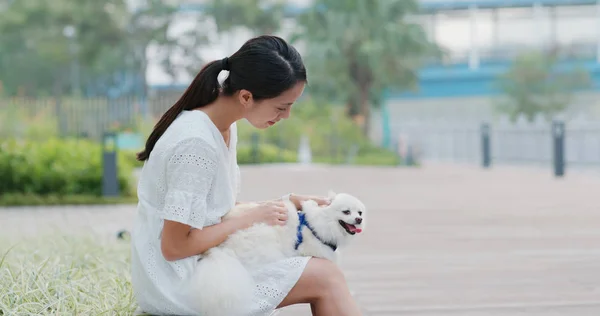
324	287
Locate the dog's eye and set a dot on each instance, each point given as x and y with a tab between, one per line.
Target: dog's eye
359	213
346	212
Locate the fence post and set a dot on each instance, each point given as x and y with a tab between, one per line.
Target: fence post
485	145
110	181
558	137
410	155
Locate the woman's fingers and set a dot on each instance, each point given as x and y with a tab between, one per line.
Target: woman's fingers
283	216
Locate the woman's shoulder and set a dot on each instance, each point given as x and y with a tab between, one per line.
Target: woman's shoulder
187	134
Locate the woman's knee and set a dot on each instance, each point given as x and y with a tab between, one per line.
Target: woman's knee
328	275
320	281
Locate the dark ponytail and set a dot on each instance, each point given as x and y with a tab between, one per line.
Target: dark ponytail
203	90
265	65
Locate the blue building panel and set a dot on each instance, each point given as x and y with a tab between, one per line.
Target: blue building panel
446	5
460	81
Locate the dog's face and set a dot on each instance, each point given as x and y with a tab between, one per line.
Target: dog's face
339	221
349	212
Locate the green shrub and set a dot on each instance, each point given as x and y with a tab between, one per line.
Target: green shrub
130	156
333	136
378	159
372	155
57	167
266	153
368	156
329	130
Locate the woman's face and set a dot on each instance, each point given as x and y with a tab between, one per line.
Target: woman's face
266	113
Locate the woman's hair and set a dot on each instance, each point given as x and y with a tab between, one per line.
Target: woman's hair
266	66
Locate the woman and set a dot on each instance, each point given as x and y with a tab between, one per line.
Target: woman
190	179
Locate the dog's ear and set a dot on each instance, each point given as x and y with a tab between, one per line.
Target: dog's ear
331	194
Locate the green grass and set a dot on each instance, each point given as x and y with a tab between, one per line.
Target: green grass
54	275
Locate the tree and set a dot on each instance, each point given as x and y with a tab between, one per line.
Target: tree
92	45
259	16
41	39
356	49
178	53
534	84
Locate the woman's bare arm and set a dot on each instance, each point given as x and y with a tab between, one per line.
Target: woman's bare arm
178	241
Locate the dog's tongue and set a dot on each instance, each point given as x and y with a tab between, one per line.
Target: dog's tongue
353	229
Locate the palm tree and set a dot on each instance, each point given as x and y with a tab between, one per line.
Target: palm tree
357	49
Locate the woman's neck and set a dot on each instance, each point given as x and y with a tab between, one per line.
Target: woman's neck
223	112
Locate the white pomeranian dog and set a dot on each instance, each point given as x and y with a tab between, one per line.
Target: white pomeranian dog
222	285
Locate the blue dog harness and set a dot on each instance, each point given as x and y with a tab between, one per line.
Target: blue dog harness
300	238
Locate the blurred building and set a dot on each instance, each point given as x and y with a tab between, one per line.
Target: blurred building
481	37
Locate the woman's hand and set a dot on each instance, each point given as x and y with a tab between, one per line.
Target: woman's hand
271	213
299	199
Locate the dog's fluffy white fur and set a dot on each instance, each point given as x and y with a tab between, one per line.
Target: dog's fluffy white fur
222	285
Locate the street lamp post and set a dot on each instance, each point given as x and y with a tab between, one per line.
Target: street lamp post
70	33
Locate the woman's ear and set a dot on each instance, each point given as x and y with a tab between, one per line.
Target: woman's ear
245	98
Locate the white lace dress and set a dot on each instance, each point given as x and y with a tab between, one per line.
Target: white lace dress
192	177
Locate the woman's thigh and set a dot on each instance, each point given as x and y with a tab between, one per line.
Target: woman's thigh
317	279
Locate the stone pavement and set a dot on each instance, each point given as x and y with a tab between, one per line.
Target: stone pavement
440	240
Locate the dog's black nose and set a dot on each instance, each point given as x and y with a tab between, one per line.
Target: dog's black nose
358	220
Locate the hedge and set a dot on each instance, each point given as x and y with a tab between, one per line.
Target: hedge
265	153
56	169
334	138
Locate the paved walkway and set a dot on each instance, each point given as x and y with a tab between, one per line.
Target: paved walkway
441	240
